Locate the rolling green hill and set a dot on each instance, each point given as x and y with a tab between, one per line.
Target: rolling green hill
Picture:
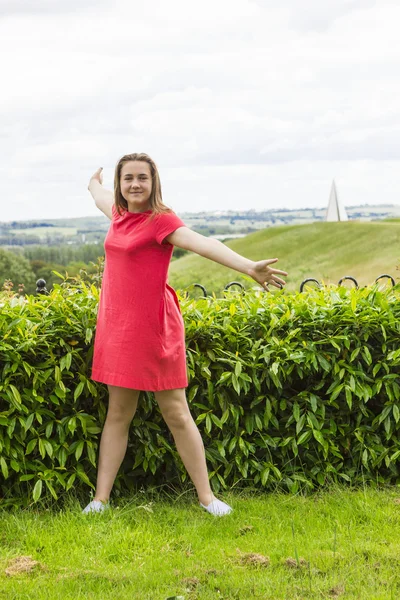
326	251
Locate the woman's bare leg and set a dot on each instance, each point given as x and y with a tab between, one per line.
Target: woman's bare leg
114	438
175	411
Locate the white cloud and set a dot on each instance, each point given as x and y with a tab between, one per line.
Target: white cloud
34	7
320	16
292	92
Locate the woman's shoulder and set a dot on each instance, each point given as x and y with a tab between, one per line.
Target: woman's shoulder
163	215
165	210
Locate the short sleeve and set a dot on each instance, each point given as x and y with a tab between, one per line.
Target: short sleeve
165	224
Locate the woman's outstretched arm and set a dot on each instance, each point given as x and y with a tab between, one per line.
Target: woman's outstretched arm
213	249
104	199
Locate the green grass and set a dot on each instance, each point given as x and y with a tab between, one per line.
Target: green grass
326	251
338	544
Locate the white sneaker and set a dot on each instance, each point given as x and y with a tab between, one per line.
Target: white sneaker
96	506
217	508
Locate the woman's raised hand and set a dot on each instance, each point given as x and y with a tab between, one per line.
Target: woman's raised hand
263	274
97	176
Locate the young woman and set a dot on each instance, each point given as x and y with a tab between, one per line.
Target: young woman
140	340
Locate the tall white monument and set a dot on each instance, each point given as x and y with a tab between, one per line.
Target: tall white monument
335	210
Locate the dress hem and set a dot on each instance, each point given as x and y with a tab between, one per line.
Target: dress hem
119	381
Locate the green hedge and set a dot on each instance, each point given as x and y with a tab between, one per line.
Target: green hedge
288	390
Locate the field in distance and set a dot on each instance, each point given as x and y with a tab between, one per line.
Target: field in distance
221	224
326	251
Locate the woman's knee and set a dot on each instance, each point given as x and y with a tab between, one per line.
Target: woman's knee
178	421
174	408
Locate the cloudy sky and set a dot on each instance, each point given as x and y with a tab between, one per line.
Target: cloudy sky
241	103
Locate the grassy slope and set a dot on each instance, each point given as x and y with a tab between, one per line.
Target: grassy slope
349	542
326	251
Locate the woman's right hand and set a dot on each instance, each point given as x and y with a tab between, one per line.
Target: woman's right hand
97	176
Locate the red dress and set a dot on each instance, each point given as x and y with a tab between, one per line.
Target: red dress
140	334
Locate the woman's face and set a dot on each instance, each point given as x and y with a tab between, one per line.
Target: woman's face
135	183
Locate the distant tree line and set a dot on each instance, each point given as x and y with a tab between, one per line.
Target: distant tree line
22	239
25	224
25	266
65	254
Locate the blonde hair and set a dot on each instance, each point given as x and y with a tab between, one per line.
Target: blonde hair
156	204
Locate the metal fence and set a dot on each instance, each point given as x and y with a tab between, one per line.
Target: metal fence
41	284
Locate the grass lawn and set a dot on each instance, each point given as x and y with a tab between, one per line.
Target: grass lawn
326	251
339	544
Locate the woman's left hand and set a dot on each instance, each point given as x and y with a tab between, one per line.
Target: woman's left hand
263	274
